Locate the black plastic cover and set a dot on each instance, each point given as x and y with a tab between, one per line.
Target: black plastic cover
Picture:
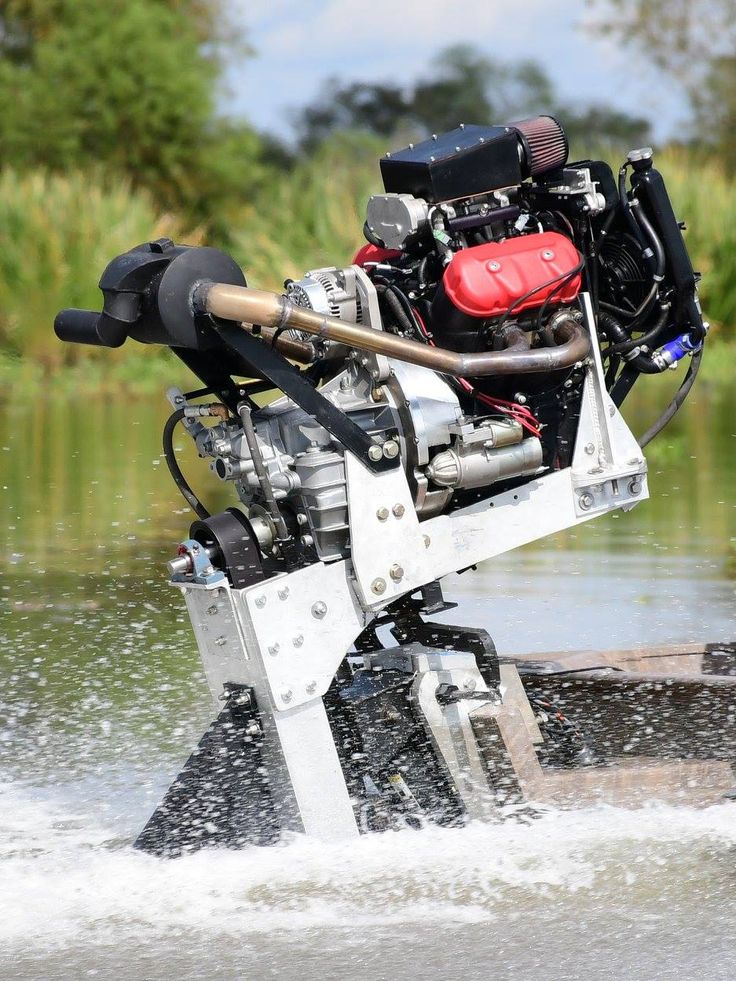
459	164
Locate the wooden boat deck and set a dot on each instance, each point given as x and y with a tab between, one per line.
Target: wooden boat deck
660	723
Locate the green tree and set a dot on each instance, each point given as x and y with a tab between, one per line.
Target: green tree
463	86
693	41
126	84
466	86
590	127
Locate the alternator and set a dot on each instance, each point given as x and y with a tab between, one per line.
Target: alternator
329	291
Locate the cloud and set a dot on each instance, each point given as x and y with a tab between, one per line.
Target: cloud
299	43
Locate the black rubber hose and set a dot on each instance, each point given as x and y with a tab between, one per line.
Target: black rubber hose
654	241
178	477
397	308
406	304
615	332
626	205
645	339
682	393
422	272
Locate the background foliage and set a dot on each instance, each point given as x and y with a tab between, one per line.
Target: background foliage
111	133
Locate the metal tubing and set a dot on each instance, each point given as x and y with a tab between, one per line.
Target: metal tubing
242	304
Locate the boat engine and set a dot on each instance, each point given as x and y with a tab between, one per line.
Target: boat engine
449	395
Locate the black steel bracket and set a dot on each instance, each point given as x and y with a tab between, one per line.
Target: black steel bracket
284	376
408	627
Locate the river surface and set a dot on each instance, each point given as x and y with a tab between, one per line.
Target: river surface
102	698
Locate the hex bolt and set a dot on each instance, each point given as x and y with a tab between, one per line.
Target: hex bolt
260	601
382	514
253	729
375	453
391	449
378	586
586	501
469	684
494	266
274	649
284	593
398	510
221	641
635	486
396	572
589	449
212	610
298	640
287	695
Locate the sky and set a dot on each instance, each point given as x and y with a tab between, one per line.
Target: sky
299	43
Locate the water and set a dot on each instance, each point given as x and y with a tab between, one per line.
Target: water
102	697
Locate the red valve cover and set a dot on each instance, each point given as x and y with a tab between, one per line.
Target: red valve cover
485	280
372	253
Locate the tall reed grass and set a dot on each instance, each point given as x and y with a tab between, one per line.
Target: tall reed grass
58	233
312	218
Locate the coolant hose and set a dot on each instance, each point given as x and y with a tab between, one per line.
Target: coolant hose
645	339
656	245
616	333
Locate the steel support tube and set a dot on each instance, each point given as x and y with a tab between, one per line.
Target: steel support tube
245	305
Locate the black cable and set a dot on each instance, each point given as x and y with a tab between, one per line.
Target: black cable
682	393
178	477
536	289
560	286
373	239
640	311
497	326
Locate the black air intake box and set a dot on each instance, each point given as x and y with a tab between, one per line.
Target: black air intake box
459	164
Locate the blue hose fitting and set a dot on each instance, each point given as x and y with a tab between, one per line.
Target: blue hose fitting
674	351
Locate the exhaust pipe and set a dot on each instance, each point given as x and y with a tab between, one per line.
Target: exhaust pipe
242	304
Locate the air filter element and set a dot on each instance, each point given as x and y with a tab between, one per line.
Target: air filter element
544	146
